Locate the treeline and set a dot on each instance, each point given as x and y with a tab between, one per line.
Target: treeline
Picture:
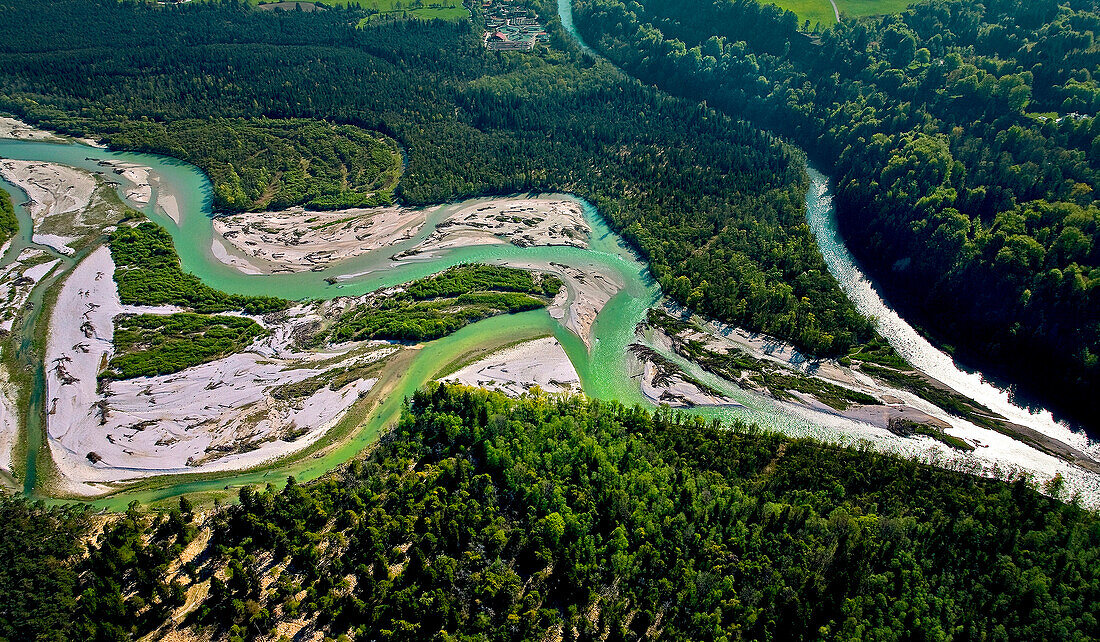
439	305
965	145
713	204
9	225
148	272
489	518
156	344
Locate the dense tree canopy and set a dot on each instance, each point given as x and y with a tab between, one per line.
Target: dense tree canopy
481	517
714	205
8	223
964	142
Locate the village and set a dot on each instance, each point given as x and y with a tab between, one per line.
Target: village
510	26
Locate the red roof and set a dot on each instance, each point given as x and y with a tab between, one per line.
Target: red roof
500	36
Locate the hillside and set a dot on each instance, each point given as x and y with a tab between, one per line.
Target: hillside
489	518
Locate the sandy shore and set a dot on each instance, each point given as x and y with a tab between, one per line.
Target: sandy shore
169	204
526	222
517	369
54	191
664	383
588	288
299	240
138	187
1014	444
17	129
218	249
52	188
220	415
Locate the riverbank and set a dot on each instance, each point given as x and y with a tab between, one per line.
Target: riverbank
233	413
297	240
517	369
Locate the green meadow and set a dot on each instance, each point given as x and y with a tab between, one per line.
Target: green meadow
821	12
423	9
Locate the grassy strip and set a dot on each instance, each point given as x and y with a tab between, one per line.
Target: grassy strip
907	427
948	400
878	351
832	395
157	344
734	363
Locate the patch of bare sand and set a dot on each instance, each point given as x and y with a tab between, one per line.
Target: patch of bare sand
168	202
515	370
522	221
223	415
139	190
17	281
17	129
58	195
663	383
9	418
297	240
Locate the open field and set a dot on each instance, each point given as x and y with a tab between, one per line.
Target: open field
821	12
423	9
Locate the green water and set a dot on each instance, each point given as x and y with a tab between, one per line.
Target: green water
602	370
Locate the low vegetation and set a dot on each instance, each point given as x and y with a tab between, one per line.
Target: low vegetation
436	306
157	344
738	366
418	9
490	518
9	225
147	270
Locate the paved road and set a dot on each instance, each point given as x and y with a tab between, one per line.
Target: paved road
835	10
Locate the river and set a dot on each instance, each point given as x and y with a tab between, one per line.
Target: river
602	370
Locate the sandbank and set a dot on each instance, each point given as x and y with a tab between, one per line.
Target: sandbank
298	240
52	189
169	204
17	129
9	419
522	221
588	288
221	415
219	251
16	283
515	370
137	176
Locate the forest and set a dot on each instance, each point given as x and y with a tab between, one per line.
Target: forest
8	223
261	163
155	344
713	204
483	517
148	272
965	147
438	305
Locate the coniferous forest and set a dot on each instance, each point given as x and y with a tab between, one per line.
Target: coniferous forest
715	205
963	163
481	517
964	143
